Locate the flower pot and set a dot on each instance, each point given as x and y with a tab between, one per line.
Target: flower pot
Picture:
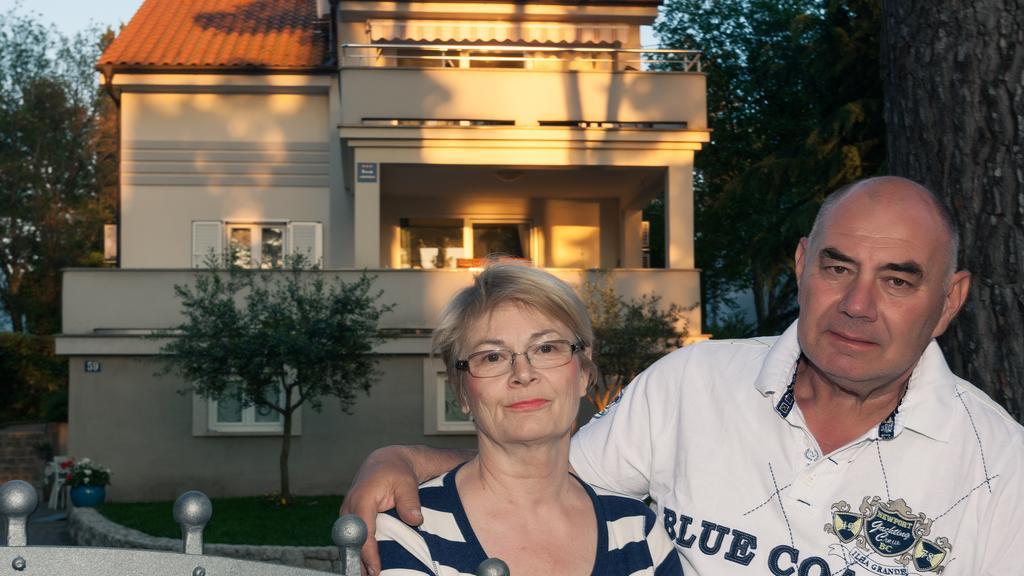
88	496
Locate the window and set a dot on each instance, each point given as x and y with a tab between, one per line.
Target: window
228	415
454	242
255	244
441	411
432	242
507	238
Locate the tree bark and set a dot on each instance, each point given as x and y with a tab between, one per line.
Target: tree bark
286	443
953	73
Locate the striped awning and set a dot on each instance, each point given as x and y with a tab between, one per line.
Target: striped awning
505	32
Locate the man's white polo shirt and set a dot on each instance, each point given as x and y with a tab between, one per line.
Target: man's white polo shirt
743	490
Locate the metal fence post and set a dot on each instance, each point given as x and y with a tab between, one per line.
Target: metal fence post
349	534
17	502
192	510
492	567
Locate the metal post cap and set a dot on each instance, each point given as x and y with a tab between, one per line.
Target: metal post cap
17	499
492	567
349	531
193	508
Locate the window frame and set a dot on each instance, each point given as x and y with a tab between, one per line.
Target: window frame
220	242
248	423
435	390
530	243
204	421
256	241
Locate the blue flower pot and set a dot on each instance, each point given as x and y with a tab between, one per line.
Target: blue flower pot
88	496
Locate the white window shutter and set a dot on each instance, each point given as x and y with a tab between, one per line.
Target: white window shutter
306	238
207	238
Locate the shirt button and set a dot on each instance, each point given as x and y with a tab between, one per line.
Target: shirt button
811	454
809	479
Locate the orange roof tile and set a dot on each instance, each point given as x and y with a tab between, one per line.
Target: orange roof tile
221	34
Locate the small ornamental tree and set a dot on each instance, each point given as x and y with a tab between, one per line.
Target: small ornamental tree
629	335
278	339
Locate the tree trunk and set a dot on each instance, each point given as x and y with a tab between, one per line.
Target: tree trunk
954	107
286	444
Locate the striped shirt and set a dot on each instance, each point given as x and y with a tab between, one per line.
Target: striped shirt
629	540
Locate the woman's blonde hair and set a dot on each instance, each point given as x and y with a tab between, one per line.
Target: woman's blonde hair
509	282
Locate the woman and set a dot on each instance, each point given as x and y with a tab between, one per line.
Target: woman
516	346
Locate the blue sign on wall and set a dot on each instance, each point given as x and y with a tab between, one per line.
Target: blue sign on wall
366	172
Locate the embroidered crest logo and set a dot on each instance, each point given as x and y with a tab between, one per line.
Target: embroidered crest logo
888	531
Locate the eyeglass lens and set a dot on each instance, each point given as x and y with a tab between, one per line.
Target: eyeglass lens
550	354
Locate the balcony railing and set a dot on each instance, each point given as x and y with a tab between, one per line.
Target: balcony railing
522	86
525	56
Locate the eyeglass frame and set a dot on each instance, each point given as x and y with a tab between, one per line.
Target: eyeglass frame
574	347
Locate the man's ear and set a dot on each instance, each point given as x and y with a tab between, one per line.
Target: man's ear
801	254
956	295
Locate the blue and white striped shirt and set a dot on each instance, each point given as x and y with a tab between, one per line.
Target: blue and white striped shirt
630	542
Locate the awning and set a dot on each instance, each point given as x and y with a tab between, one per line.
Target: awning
504	32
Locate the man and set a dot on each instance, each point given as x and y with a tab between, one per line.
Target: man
843	447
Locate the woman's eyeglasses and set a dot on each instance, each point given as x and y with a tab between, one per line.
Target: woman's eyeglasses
500	361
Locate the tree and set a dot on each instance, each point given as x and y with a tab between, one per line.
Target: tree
629	335
35	380
794	102
954	89
277	340
51	210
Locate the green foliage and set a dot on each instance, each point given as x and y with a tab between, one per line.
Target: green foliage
262	331
795	105
307	521
51	206
34	379
629	335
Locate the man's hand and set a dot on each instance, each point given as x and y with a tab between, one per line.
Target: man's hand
390	478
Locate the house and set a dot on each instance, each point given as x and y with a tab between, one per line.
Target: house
405	138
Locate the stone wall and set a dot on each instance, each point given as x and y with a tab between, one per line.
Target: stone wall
90	528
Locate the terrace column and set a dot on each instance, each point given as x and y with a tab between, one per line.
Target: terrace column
679	215
632	240
366	213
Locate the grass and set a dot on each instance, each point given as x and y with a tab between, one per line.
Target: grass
258	520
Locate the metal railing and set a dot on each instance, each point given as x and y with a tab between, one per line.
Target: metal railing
524	56
192	511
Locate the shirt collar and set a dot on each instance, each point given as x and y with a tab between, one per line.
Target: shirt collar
926	408
777	370
931	396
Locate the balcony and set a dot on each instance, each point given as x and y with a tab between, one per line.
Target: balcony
107	310
522	86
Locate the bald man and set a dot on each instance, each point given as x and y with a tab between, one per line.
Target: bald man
843	447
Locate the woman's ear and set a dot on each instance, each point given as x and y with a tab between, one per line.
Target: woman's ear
585	378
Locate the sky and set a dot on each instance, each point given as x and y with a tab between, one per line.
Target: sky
72	16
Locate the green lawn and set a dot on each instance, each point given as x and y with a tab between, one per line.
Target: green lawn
259	520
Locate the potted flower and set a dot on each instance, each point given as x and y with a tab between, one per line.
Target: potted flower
88	482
